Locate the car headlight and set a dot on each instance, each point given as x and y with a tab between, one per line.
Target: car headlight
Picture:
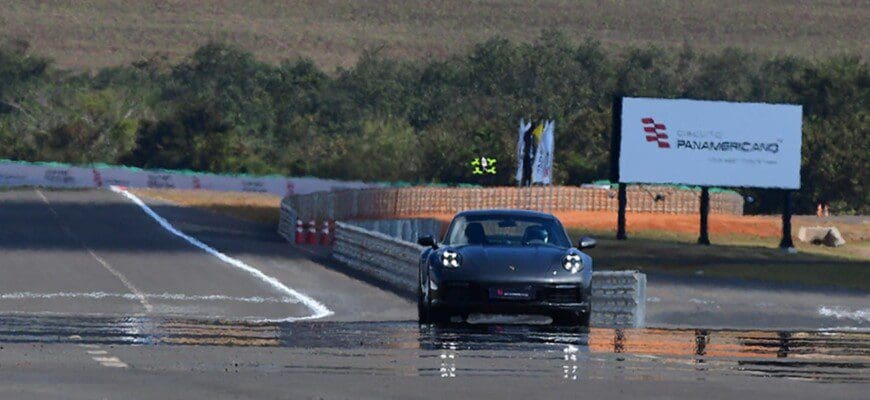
572	263
450	259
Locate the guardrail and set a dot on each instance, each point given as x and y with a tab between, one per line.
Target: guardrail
380	256
618	297
287	223
407	229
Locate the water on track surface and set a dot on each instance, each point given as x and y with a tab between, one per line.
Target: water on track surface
402	348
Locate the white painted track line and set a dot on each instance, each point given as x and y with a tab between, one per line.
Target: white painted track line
103	357
112	362
161	296
319	310
136	292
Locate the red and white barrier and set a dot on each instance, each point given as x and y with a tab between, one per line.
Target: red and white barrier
17	173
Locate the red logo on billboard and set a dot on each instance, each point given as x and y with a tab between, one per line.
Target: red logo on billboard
655	132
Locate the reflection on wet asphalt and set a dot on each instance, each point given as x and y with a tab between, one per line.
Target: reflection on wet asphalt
478	350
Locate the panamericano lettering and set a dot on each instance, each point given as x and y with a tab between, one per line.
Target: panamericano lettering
745	147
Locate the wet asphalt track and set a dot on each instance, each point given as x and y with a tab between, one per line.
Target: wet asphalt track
98	301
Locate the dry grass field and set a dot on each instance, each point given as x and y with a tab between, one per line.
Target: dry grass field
97	33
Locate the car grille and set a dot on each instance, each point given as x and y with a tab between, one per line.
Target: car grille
562	295
464	292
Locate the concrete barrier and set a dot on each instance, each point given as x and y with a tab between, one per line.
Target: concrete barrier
828	235
618	297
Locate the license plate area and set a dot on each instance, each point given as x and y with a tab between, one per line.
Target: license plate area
512	293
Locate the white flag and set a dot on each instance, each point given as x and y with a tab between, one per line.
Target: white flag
550	142
543	165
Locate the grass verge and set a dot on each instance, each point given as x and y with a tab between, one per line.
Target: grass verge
731	256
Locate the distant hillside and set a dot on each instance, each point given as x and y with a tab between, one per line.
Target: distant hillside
97	33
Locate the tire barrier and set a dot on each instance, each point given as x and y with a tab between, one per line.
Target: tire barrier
618	297
386	203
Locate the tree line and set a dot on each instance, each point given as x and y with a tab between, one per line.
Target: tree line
385	119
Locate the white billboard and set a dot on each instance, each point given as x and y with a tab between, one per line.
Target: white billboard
710	143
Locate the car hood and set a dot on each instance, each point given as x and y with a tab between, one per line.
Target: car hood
525	259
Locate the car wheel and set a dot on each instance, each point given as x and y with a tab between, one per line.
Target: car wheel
423	308
438	316
584	318
424	314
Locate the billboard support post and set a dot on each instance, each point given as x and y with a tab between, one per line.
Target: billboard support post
620	218
704	237
615	139
786	242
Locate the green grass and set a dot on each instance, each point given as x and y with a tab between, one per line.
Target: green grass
89	34
733	257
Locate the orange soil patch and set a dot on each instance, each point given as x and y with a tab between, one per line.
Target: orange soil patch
752	225
762	226
259	207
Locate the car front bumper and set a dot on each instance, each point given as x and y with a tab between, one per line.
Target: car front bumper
475	297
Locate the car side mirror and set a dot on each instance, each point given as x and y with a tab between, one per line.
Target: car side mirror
427	241
586	242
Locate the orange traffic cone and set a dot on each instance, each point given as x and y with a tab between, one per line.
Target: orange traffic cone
312	232
325	240
300	232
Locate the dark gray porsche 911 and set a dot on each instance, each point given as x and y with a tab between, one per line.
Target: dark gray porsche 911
504	262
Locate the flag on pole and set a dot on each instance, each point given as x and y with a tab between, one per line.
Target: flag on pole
521	149
543	161
550	141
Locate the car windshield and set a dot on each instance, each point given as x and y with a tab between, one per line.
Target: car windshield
506	230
